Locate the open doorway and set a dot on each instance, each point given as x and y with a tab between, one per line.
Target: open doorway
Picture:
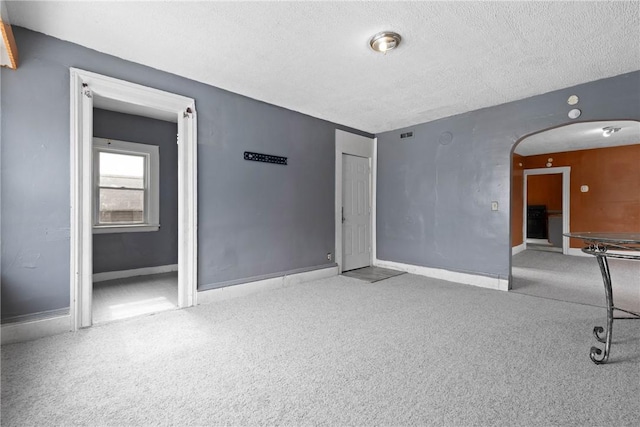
544	205
135	215
89	90
546	209
600	179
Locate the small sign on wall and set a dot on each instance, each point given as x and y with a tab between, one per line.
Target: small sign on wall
265	158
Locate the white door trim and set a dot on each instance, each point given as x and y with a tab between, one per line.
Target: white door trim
374	202
566	202
84	86
356	145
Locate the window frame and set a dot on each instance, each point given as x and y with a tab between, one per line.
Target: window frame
151	154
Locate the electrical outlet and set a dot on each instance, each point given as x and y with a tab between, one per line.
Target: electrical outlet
329	256
494	206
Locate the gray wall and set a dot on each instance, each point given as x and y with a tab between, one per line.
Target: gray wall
254	219
125	251
434	200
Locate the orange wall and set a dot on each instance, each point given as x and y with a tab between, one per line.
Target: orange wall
545	190
613	175
517	196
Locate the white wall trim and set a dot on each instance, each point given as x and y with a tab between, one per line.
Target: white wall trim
31	330
84	87
121	274
450	276
517	249
566	201
356	145
235	291
34	329
374	201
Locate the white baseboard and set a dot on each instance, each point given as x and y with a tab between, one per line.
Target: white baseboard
235	291
27	331
517	249
110	275
34	329
450	276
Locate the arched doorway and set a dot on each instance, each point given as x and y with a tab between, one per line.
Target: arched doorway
596	163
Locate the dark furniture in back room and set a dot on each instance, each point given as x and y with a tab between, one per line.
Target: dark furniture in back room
536	222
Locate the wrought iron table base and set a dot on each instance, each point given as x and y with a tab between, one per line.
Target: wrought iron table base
599	250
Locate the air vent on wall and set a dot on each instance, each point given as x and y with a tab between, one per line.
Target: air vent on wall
406	135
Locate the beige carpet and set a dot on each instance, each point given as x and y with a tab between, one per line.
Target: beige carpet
403	351
575	279
134	296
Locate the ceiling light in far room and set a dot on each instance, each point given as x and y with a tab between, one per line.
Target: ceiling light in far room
609	130
385	41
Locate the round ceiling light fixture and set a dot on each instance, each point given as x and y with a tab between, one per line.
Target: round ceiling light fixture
385	41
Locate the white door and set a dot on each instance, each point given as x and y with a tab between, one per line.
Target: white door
356	213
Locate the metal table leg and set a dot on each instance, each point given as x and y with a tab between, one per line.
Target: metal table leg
599	330
626	246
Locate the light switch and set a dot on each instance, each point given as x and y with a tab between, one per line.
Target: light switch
494	206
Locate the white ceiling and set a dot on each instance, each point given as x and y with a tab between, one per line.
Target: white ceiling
580	136
313	57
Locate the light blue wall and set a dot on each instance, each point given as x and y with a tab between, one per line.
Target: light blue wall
125	251
434	200
255	219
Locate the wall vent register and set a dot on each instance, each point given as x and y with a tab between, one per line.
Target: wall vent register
265	158
406	135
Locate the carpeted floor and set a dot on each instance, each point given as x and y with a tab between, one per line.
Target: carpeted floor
134	296
403	351
575	279
544	248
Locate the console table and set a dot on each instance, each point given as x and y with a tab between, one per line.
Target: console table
600	245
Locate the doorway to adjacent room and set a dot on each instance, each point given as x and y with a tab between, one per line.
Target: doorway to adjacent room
89	90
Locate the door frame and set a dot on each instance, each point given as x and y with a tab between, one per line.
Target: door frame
566	201
84	86
361	146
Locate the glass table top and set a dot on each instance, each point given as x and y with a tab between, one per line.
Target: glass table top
606	237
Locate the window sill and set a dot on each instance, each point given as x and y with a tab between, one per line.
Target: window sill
136	228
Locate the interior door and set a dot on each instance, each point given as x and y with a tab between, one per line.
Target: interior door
356	213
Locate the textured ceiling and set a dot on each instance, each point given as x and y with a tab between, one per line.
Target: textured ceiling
580	136
313	57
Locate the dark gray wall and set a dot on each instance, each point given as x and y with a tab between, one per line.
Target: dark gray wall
434	200
125	251
254	219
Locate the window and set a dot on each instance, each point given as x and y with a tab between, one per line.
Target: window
125	186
